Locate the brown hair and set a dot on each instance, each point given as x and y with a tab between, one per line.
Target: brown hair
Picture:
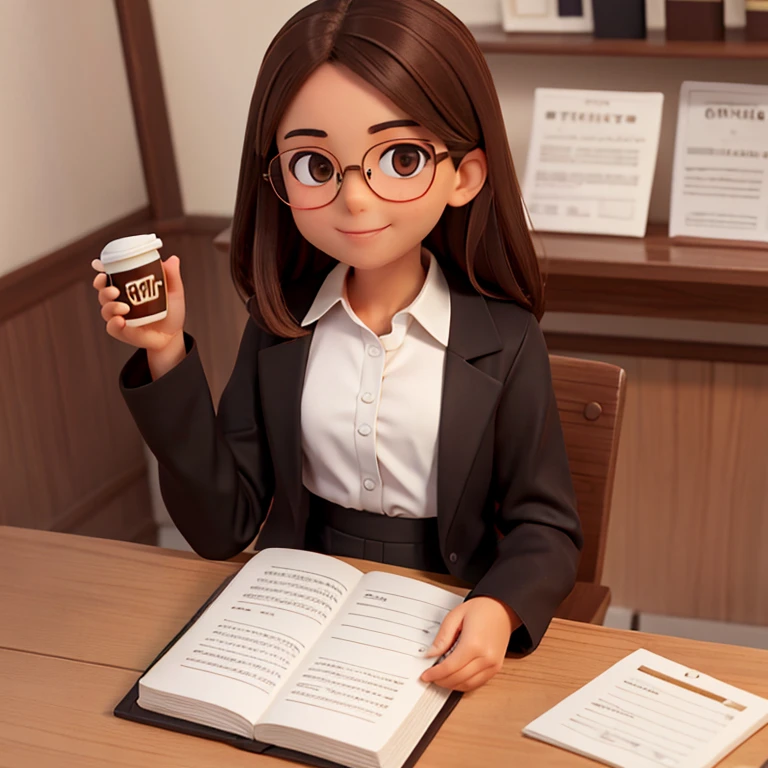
422	58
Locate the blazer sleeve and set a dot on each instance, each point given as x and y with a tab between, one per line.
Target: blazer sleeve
215	471
541	536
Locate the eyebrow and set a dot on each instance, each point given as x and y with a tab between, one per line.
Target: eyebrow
316	133
393	124
306	132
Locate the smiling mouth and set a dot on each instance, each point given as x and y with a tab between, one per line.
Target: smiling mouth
363	231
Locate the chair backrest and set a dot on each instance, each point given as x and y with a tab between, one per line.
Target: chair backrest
590	399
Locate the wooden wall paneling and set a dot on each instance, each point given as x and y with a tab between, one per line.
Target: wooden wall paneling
739	458
67	433
118	518
38	428
689	522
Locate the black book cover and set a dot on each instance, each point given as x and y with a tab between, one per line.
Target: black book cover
619	18
129	709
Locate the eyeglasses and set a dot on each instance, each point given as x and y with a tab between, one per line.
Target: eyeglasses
399	171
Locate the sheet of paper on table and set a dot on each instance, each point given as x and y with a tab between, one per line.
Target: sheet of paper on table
591	161
647	711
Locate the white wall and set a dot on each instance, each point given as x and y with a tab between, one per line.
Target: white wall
69	158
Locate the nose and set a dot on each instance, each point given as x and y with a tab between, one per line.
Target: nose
355	193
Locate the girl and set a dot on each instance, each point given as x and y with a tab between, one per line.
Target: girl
391	398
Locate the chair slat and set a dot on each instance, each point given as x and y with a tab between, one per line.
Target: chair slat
591	445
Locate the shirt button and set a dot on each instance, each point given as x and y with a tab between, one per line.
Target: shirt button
364	430
369	484
367	397
453	557
373	350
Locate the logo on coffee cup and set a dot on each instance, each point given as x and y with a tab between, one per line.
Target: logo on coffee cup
143	290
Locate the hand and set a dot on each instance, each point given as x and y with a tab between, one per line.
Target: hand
485	625
154	336
164	339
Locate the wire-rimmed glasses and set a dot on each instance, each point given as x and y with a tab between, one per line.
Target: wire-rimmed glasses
399	171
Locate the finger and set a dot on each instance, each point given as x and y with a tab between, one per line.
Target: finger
116	326
461	656
100	281
461	676
112	308
448	632
110	293
481	678
97	265
172	269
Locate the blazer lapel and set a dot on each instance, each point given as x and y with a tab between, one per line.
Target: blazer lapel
469	395
281	378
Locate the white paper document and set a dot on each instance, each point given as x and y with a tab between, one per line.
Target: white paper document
647	711
720	177
591	161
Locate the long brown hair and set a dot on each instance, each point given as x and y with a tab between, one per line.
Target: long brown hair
424	60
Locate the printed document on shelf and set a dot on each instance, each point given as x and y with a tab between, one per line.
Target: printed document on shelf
591	161
720	177
649	712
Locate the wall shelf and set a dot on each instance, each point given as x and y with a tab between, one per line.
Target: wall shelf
655	276
493	39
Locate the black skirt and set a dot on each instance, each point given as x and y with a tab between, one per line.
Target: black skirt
404	541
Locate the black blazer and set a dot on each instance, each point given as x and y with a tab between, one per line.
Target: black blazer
506	509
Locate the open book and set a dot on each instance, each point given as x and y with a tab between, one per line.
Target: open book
305	652
646	711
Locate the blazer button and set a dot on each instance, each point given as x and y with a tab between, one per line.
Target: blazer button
453	557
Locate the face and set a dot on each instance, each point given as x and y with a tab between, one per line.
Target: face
340	113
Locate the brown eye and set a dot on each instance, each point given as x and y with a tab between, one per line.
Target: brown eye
404	161
312	168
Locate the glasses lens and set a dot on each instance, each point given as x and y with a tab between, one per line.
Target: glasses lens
400	170
305	177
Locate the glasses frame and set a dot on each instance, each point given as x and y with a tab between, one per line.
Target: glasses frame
438	158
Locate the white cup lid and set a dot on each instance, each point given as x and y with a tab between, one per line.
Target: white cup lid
126	247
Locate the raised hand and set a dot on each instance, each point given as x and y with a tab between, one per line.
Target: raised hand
164	339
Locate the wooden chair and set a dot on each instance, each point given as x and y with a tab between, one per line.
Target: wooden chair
590	399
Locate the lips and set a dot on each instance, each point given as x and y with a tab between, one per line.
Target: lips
363	231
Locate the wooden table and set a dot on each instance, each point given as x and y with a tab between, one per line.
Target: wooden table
81	618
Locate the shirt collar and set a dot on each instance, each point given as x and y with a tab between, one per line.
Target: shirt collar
431	308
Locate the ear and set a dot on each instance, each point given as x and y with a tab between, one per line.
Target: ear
470	177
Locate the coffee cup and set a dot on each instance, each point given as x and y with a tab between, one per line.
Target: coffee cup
134	267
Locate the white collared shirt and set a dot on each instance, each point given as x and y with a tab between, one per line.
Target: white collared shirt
370	409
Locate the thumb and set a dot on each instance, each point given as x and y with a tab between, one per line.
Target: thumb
448	632
172	269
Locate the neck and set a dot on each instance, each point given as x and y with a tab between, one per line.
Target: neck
376	295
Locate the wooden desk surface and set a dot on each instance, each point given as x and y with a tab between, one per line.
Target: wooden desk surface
82	617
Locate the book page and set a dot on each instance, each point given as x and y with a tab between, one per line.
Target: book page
647	711
362	677
250	639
